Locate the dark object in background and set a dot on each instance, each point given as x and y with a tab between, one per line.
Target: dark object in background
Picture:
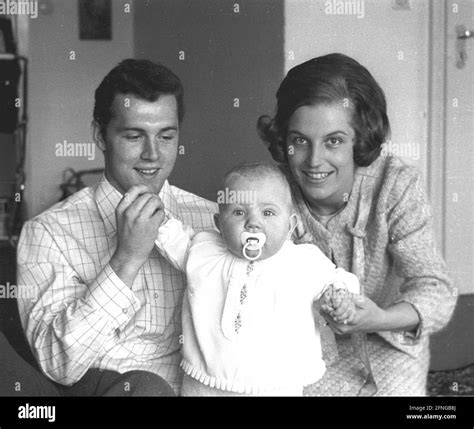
9	76
95	20
7	43
73	180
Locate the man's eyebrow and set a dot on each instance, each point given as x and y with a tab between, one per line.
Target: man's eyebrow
121	129
170	128
137	129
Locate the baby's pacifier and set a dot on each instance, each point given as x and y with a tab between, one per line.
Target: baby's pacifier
252	241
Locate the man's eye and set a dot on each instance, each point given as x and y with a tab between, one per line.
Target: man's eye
268	213
168	137
132	137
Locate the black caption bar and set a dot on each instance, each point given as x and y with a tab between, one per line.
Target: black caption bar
430	412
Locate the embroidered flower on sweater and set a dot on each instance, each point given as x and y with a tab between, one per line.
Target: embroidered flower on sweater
243	298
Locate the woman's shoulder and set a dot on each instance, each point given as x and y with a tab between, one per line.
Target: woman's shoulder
392	178
390	169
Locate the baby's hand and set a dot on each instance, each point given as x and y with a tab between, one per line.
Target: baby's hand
339	304
334	295
345	312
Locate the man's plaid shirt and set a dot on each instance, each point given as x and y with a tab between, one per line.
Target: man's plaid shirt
83	316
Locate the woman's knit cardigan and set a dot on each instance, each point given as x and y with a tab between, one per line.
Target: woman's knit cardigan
385	236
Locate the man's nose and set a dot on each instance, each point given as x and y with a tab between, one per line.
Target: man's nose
151	150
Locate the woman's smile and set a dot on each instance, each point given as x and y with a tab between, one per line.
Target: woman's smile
317	177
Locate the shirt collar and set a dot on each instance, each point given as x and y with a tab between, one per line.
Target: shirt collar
108	197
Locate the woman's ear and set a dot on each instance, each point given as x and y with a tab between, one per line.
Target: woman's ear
97	136
216	221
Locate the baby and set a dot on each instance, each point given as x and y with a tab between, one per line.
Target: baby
248	324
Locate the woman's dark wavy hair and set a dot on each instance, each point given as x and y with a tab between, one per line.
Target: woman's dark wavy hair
325	80
141	78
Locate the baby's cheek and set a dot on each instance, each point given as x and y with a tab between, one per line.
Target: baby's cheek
275	244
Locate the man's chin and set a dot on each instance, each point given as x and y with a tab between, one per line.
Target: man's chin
154	184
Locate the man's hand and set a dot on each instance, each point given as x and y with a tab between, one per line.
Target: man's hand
138	215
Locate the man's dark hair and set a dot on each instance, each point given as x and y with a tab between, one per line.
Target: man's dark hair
141	78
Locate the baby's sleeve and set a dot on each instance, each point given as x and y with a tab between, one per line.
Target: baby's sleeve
173	241
325	274
344	280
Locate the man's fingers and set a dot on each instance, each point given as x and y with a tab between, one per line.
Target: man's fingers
137	190
134	210
131	195
150	208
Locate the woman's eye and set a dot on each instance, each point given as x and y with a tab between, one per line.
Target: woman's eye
333	141
299	140
268	213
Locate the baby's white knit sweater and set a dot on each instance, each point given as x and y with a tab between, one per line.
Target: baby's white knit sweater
248	327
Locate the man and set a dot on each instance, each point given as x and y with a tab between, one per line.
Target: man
107	316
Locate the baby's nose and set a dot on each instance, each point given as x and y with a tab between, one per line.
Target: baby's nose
253	223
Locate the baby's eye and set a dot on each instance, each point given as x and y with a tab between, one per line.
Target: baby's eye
238	212
268	213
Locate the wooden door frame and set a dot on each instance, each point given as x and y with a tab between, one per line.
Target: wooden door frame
437	108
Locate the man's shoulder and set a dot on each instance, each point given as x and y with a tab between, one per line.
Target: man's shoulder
195	210
66	223
79	205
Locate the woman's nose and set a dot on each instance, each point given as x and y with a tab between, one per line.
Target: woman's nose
151	151
316	155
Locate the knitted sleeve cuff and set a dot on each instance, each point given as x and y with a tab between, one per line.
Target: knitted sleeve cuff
412	336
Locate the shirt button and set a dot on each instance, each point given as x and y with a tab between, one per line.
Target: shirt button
125	311
156	295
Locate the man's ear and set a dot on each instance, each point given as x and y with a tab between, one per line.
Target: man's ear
216	221
97	135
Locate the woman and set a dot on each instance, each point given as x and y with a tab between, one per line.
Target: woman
369	213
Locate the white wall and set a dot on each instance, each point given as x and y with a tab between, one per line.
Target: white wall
61	93
392	44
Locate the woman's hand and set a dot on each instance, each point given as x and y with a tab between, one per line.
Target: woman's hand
364	316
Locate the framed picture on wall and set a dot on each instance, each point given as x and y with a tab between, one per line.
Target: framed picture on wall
95	19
